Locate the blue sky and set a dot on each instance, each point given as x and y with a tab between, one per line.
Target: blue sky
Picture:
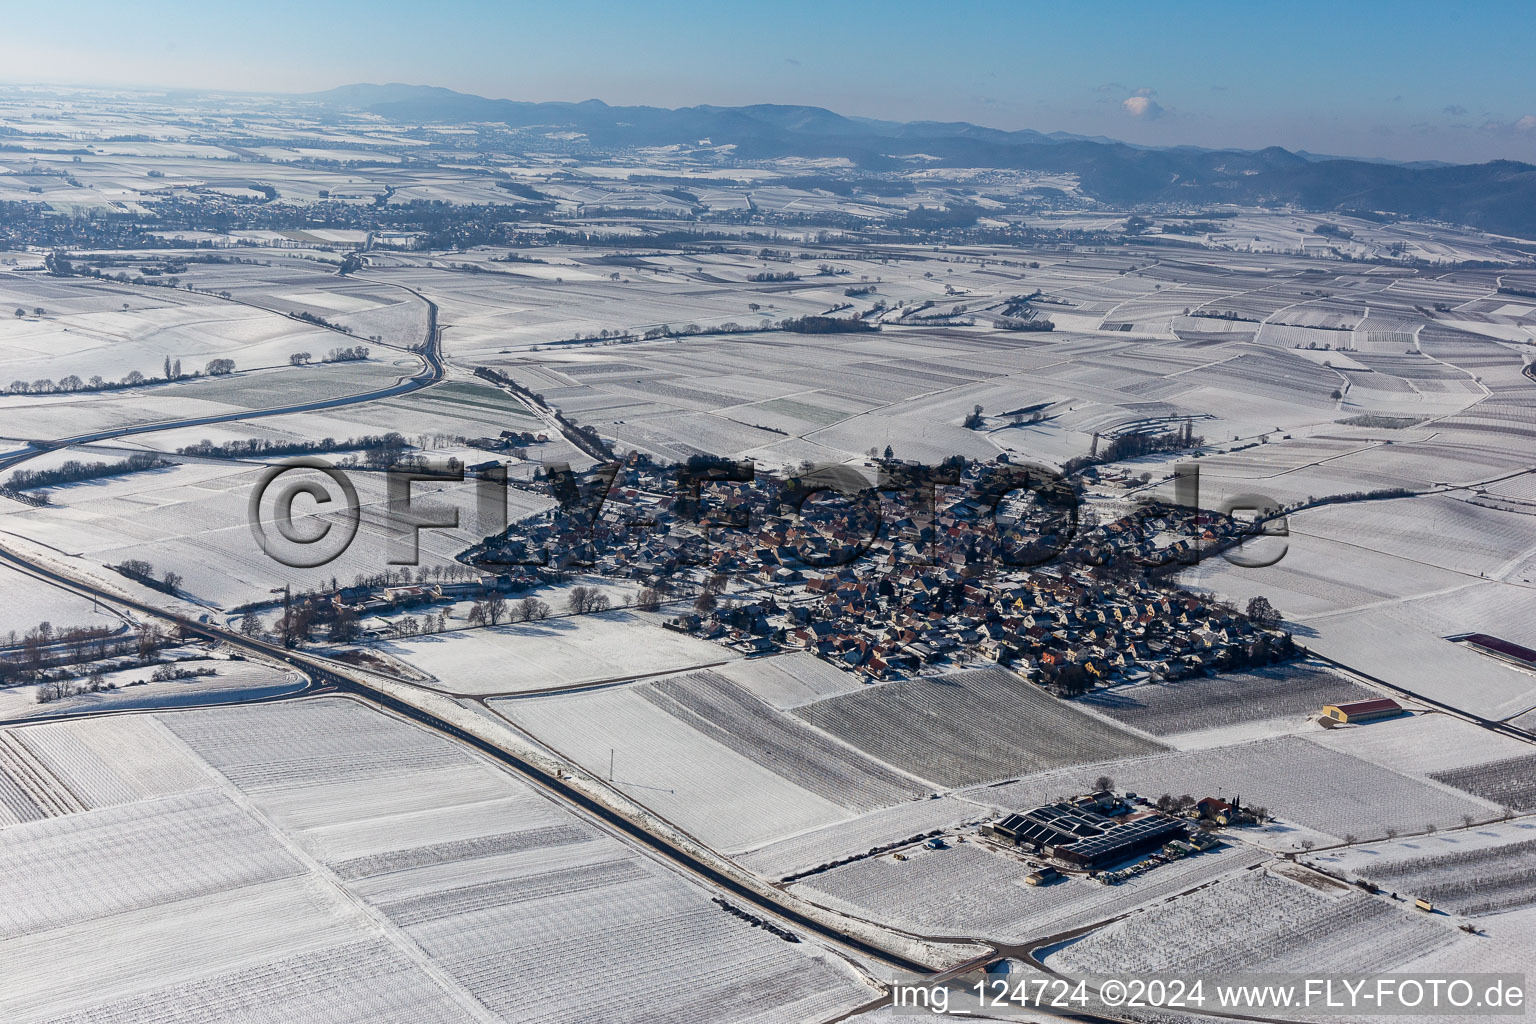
1406	80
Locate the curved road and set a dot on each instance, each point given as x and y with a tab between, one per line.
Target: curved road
331	677
430	374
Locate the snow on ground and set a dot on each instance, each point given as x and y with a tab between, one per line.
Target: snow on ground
1388	617
791	680
1507	945
69	415
1421	744
341	864
235	681
969	727
1166	710
193	518
858	835
557	651
1480	870
1257	922
724	798
972	889
64	768
30	601
1322	791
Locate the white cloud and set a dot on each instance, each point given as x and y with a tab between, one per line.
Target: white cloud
1526	123
1143	106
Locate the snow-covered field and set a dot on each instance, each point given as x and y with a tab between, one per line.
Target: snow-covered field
720	795
970	727
859	835
90	328
234	681
558	651
791	680
1291	692
1256	922
32	602
1422	744
1483	870
323	860
970	889
193	518
1324	792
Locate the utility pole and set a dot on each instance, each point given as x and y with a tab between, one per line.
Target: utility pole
287	620
610	764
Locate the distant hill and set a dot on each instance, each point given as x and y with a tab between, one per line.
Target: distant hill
1499	196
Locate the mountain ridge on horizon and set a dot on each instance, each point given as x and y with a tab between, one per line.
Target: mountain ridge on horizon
1497	196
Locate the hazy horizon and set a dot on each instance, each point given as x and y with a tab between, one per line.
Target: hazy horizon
1349	81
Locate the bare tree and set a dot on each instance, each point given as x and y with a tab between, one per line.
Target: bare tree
579	598
648	600
149	639
534	609
495	607
1261	612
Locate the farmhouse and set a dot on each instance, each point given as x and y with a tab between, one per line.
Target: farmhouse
1363	710
1218	810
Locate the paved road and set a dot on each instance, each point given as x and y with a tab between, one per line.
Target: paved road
332	677
431	373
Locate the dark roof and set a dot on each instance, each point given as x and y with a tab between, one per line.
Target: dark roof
1123	837
1504	647
1367	707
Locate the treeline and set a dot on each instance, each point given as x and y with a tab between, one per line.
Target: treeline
320	321
1134	445
141	571
134	378
74	471
258	447
1008	323
769	277
1213	314
827	325
926	218
351	354
1380	494
1198	227
50	657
